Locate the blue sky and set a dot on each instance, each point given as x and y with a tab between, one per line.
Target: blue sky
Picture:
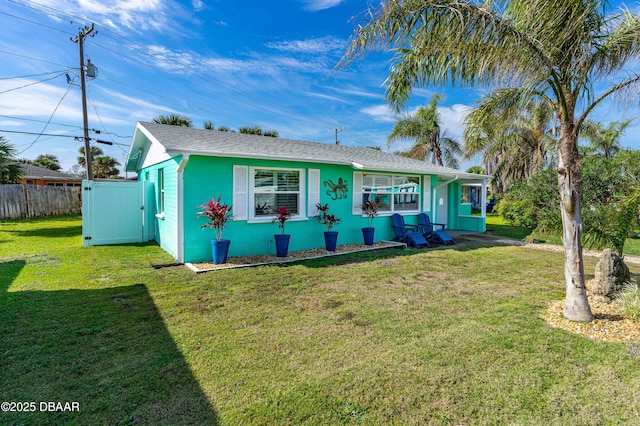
234	62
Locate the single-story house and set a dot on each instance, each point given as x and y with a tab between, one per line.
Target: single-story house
34	175
258	174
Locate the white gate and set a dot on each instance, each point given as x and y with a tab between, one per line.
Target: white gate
114	212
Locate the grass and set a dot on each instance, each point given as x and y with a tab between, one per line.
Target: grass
435	337
500	226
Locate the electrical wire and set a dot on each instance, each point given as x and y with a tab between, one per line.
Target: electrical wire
35	22
36	75
50	118
34	59
31	84
40	121
270	107
257	102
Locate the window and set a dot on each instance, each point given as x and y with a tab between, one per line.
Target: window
274	188
160	191
399	193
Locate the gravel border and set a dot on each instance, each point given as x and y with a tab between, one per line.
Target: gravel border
296	256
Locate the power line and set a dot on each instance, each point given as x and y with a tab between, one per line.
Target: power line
40	121
31	84
35	22
50	118
35	75
36	134
32	58
255	102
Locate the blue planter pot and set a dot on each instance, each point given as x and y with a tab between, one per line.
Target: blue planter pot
282	244
331	240
367	234
220	249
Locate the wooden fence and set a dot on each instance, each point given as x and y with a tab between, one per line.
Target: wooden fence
25	201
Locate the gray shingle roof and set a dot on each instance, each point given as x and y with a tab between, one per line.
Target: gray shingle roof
189	140
33	172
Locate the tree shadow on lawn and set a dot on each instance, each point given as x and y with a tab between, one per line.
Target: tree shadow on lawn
54	232
108	350
366	256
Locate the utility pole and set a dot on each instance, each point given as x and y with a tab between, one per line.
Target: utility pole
339	129
82	34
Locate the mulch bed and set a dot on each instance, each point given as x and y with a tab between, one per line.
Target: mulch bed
246	261
609	323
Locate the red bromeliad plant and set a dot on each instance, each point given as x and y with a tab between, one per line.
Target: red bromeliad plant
325	218
370	209
218	213
283	216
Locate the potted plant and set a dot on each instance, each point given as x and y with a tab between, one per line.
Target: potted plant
282	240
369	209
218	214
330	237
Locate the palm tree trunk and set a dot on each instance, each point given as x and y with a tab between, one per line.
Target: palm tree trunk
576	305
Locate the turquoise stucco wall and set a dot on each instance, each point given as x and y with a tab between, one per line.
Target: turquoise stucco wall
166	228
207	177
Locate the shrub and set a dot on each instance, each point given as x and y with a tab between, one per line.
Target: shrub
629	298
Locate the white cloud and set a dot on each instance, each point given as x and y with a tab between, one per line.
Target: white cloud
451	120
315	45
137	15
315	5
380	113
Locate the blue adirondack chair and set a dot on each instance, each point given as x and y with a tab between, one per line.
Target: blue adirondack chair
430	232
408	234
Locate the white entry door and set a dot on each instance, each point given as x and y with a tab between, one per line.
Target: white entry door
442	206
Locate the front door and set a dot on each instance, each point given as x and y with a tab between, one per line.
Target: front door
442	203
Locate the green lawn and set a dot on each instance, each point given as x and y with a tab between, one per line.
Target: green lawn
499	226
438	337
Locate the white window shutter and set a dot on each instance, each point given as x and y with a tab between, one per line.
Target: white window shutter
314	192
240	192
426	203
357	193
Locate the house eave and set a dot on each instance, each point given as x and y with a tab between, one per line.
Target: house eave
350	163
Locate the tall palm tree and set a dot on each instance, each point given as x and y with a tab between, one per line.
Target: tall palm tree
563	51
10	170
95	152
515	140
174	120
431	144
604	140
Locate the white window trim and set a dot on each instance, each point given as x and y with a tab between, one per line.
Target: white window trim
359	193
302	187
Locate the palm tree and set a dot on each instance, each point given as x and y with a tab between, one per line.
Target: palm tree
47	161
174	120
105	167
10	170
604	140
95	152
562	51
257	130
514	140
430	143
